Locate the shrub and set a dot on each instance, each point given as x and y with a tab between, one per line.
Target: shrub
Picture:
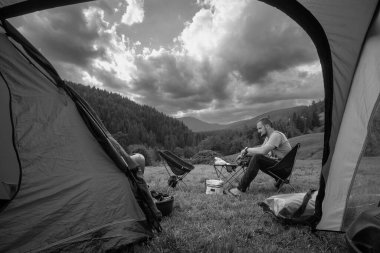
178	151
188	152
205	157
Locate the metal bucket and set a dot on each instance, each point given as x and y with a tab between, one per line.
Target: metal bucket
214	186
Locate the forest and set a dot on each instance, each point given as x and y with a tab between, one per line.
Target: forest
134	125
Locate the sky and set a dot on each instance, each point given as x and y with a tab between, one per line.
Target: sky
216	60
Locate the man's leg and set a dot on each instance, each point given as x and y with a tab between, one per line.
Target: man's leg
257	162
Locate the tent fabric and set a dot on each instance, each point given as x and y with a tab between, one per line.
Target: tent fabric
344	24
13	8
360	106
363	235
72	193
8	155
345	33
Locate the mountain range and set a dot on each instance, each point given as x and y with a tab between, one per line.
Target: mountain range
197	125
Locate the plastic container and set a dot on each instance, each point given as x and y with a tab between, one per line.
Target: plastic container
166	205
214	186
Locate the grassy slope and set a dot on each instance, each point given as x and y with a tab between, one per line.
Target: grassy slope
221	223
311	146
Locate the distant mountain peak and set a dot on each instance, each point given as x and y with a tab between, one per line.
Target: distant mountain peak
197	125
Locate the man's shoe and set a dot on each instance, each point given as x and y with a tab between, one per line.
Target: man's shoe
235	192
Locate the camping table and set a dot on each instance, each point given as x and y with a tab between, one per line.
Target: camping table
228	173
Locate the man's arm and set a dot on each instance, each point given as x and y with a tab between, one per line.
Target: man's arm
273	142
261	150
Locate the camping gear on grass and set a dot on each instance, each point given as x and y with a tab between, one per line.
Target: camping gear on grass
178	167
292	207
229	167
164	202
363	235
214	186
66	184
228	172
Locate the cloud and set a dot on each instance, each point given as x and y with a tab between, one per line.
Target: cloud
226	60
250	37
134	13
173	82
232	55
64	35
82	44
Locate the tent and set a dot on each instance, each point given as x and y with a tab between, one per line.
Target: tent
65	183
62	183
346	34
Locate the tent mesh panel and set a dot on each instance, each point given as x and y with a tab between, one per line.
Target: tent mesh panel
365	191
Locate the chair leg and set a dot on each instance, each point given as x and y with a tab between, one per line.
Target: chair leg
292	187
179	186
285	183
279	188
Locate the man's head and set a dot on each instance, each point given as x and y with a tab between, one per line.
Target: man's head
264	126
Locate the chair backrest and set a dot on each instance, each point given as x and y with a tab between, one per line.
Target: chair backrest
286	164
176	164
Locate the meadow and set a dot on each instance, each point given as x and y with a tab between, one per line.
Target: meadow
222	223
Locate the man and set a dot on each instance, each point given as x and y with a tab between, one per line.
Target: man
273	149
136	165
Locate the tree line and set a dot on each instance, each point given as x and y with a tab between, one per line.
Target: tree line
131	123
134	124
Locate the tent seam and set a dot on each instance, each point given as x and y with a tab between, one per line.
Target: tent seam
13	142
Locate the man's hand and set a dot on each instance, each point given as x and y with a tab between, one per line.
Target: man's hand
243	153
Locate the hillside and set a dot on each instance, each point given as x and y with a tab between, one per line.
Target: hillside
131	123
311	146
197	125
282	114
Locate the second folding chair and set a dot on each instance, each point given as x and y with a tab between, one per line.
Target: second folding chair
177	166
282	171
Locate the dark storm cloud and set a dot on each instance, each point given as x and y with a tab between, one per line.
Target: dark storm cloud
265	40
302	74
64	35
179	82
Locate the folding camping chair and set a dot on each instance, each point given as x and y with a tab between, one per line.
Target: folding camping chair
179	168
284	167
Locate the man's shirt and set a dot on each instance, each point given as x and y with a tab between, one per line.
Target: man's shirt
280	144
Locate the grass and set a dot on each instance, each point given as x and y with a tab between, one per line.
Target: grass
221	223
311	146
